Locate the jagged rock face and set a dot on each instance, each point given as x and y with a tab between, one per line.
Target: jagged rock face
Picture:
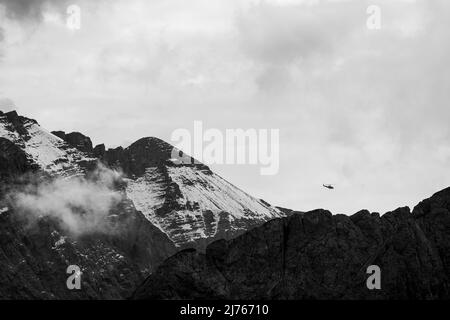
316	255
80	141
432	215
145	153
34	258
76	140
99	151
13	160
41	148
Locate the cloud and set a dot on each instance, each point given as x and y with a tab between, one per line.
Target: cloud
80	204
337	72
29	9
135	60
28	15
281	35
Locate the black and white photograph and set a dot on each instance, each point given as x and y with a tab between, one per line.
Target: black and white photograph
220	156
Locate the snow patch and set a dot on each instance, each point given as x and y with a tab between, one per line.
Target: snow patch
147	194
60	242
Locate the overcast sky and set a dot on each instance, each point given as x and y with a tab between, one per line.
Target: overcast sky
367	110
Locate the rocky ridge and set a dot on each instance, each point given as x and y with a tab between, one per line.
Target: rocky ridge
317	255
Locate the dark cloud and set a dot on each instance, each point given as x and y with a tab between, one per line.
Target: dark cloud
29	9
282	34
280	38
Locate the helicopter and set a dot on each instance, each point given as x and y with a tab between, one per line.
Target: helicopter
328	186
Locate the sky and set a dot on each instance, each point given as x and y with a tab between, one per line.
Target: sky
363	109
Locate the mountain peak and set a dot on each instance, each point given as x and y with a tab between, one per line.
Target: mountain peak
157	147
41	148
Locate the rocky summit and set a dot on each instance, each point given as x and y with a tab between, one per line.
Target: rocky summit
317	255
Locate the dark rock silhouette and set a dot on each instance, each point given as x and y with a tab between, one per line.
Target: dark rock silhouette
99	150
34	258
317	255
13	160
76	140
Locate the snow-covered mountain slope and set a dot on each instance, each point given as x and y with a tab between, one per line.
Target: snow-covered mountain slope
42	149
205	205
190	203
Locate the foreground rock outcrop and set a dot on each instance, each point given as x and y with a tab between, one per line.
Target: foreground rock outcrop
317	255
34	257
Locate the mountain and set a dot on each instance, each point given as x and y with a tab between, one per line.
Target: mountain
317	255
162	206
122	214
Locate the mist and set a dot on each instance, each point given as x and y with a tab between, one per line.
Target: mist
79	204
